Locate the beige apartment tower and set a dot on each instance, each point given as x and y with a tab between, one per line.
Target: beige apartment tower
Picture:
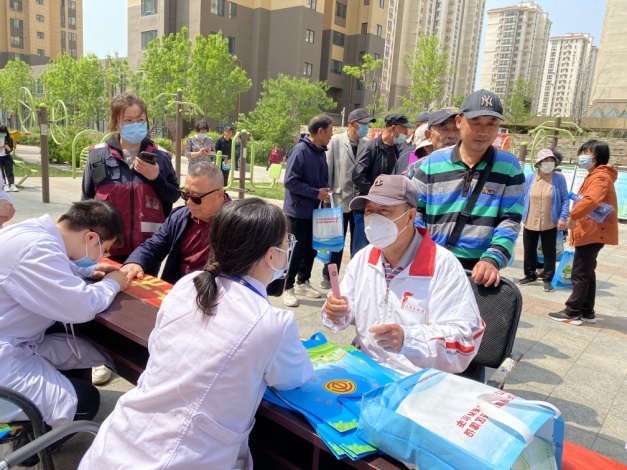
457	24
302	38
567	77
609	87
36	31
515	46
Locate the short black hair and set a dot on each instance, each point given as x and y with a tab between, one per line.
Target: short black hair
201	125
99	216
321	121
3	128
559	158
598	148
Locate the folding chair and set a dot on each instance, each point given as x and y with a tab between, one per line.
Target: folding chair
31	426
500	308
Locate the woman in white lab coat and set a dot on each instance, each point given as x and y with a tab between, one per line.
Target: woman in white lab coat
216	346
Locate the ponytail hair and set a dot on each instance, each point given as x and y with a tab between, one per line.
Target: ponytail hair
241	233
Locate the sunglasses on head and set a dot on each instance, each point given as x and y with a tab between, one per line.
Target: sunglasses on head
195	199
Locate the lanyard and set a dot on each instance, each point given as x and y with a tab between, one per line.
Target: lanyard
244	283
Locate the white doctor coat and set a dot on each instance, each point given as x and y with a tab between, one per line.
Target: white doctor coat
38	286
195	403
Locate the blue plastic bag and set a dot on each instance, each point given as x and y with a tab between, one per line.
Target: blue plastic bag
432	419
564	270
328	229
559	247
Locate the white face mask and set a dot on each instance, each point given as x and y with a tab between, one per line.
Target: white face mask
547	167
381	231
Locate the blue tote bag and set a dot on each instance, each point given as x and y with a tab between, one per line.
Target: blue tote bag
564	270
328	229
432	419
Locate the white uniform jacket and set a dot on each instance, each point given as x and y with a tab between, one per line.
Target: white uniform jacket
431	299
195	403
38	286
341	162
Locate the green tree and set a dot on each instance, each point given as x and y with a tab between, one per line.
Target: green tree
59	82
457	102
369	75
89	85
427	68
16	74
214	78
286	102
518	104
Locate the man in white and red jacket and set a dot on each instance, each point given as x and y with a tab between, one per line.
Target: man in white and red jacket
409	299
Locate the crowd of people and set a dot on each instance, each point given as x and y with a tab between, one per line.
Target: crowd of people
421	210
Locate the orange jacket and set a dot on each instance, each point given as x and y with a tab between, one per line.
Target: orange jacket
598	187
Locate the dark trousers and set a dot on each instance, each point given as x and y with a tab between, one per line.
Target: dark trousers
6	163
530	244
359	239
581	301
225	175
336	256
304	254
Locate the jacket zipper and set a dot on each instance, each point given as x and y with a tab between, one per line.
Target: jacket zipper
385	304
132	215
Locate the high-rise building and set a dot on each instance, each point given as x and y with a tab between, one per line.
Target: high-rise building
515	47
302	38
609	87
36	31
567	77
457	24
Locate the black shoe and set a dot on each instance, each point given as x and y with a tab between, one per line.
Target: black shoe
566	318
527	280
589	317
548	287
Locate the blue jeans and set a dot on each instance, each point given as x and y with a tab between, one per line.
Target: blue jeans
359	236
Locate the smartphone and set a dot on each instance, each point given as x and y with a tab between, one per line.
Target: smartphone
148	157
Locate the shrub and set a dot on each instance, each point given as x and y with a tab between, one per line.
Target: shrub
165	143
262	151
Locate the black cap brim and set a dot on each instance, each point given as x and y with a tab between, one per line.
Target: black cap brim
476	114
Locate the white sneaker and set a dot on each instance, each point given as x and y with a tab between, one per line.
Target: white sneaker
306	290
13	189
289	299
100	375
6	188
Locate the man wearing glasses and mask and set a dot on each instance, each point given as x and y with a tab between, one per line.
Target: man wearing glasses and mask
183	238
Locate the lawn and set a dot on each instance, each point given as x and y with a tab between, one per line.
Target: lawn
276	192
33	169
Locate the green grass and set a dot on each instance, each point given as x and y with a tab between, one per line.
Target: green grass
22	168
277	192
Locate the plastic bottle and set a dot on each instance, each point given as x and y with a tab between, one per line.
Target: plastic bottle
600	214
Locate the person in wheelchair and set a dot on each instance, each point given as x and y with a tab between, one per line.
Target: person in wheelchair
409	299
41	282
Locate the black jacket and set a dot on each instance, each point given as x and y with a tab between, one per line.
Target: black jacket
372	161
8	141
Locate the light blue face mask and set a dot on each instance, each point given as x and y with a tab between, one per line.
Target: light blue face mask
86	261
134	133
585	161
202	136
400	139
362	131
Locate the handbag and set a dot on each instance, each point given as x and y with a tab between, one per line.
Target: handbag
564	270
328	228
432	419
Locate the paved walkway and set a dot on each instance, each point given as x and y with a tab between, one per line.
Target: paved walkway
582	370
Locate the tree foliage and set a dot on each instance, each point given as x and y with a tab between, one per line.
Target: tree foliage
286	102
518	105
427	68
16	74
369	75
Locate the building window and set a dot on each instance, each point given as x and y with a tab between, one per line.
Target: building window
338	39
231	45
71	21
308	69
376	56
148	36
62	20
232	10
41	52
16	5
17	41
71	5
312	4
364	28
379	30
340	10
361	56
381	3
336	67
217	7
73	37
73	53
360	85
366	2
310	36
39	2
39	18
17	24
389	25
149	7
40	35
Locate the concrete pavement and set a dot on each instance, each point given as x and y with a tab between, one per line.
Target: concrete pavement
582	370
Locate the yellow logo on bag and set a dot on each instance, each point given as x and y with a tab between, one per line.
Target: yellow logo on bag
340	387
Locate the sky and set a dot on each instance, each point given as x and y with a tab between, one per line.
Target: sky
105	23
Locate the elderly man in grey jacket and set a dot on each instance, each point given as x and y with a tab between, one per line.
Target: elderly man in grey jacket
341	160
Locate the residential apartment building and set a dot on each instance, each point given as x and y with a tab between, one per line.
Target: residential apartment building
567	77
609	87
457	24
515	46
302	38
36	31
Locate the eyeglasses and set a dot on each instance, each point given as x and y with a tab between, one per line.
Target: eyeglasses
291	243
195	199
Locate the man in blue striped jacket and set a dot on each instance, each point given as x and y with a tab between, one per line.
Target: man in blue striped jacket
447	178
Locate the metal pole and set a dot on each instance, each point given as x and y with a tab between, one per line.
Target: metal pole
556	126
522	154
242	165
45	128
178	135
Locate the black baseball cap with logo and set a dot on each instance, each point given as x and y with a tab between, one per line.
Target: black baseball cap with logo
440	116
361	116
482	103
396	119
